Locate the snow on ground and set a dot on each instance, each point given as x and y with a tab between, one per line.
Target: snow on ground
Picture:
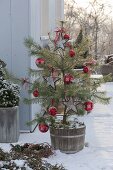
99	135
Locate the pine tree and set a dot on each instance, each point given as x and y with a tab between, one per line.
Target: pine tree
58	86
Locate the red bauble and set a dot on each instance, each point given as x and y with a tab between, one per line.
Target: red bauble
36	93
71	53
67	36
52	111
68	79
43	127
85	69
40	61
88	105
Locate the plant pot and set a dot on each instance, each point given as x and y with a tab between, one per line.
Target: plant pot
9	125
68	140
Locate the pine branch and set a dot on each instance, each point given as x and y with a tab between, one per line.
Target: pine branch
102	99
33	47
11	77
34	100
38	119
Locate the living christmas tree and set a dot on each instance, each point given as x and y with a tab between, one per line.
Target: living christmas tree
57	85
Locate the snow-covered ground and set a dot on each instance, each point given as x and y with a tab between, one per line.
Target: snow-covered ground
99	136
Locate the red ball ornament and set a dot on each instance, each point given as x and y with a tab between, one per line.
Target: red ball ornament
36	93
43	127
71	53
52	111
40	61
85	69
88	105
67	36
68	79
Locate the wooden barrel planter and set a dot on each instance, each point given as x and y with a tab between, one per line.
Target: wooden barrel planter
9	125
68	140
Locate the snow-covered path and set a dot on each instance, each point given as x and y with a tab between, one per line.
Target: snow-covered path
99	135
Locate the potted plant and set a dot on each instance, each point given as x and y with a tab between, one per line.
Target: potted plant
62	90
9	101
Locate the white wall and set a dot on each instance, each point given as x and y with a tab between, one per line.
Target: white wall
35	31
18	20
52	15
5	32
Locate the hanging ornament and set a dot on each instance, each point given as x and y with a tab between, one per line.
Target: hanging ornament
36	93
51	81
40	61
88	105
57	37
71	104
60	43
68	79
71	53
86	69
66	36
58	32
43	127
52	111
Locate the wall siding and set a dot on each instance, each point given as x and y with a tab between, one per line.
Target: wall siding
35	32
44	17
20	59
5	32
18	20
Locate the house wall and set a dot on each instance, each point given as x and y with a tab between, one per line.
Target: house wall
35	31
5	32
14	28
18	20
